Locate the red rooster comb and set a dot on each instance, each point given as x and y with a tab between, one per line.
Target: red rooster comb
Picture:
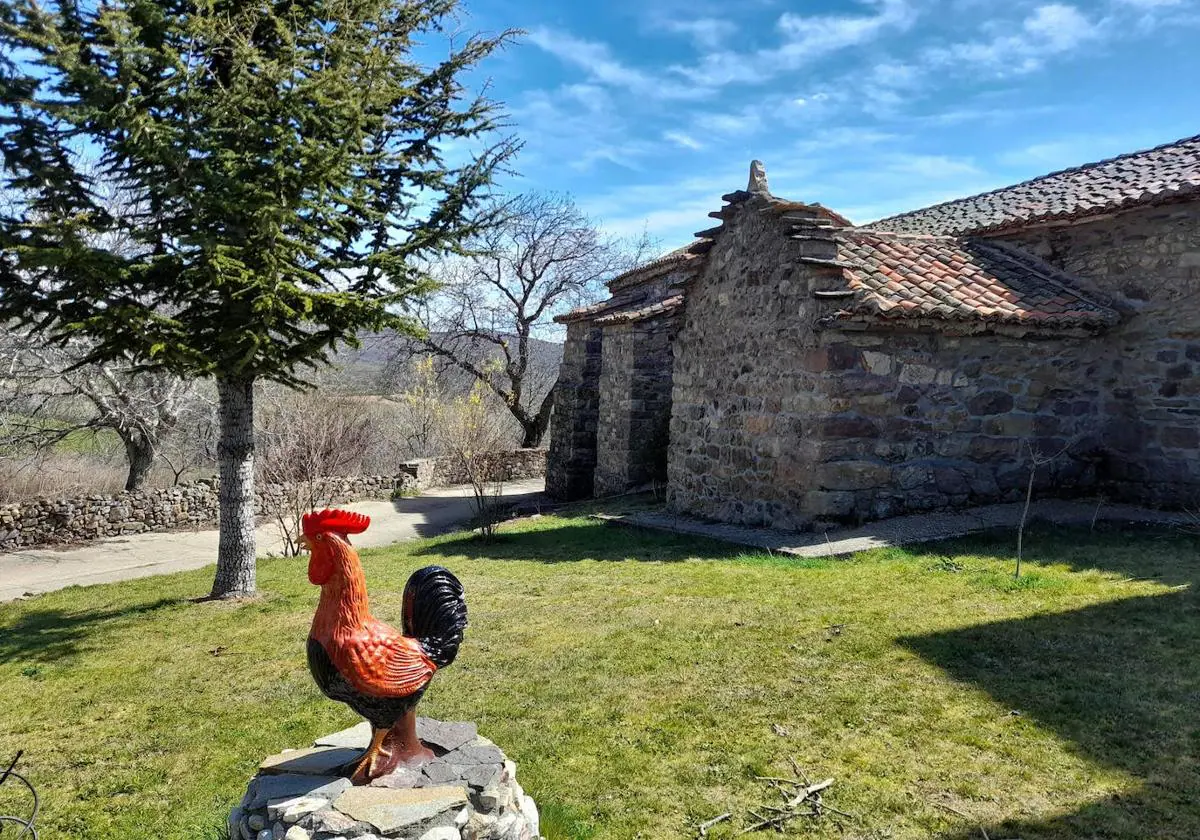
335	522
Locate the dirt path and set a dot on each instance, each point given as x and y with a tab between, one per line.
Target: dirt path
122	558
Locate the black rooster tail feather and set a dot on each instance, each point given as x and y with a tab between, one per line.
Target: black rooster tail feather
435	613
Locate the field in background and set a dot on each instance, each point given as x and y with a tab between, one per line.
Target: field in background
643	681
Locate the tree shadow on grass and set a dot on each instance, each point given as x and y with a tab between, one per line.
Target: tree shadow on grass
591	541
1120	681
49	635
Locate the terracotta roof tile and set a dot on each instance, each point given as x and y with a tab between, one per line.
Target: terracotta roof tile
629	316
583	312
898	276
691	253
1171	171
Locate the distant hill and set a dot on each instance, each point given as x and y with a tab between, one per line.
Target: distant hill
377	367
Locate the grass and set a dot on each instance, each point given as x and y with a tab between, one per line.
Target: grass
642	681
77	442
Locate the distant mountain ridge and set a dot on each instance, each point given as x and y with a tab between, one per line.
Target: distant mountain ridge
373	369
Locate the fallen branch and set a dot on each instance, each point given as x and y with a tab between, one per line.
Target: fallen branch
801	798
952	809
705	826
809	791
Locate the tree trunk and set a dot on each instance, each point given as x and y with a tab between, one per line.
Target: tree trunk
235	455
535	427
140	453
535	430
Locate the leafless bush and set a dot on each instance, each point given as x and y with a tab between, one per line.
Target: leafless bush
474	433
302	439
1037	459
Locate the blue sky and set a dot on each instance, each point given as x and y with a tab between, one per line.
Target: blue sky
646	111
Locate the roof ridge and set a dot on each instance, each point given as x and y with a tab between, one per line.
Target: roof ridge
1029	181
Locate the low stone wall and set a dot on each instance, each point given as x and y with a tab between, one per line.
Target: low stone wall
445	471
195	505
469	791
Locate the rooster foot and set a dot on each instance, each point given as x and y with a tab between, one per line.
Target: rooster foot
390	749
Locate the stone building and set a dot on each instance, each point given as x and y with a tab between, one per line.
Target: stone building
789	367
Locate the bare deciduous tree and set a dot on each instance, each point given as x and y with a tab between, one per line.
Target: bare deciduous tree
193	445
544	257
47	395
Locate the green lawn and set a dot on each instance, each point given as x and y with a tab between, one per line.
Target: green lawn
642	681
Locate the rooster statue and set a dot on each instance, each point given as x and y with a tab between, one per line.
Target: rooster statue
370	666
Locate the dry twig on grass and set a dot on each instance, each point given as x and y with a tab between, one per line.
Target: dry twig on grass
801	798
705	826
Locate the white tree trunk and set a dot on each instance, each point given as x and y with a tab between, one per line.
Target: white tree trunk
235	454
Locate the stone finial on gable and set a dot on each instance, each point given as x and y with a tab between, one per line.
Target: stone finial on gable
758	178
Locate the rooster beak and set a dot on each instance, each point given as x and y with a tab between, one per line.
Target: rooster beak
304	543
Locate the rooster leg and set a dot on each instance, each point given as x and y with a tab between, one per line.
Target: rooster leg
363	770
402	746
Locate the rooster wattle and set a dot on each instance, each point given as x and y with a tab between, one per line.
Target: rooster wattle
356	659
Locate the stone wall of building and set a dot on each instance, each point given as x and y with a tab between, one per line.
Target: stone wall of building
635	405
778	422
738	450
195	505
1148	261
572	458
612	399
910	422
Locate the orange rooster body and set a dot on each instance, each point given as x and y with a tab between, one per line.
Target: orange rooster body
378	671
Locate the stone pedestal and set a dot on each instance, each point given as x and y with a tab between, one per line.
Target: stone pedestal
469	791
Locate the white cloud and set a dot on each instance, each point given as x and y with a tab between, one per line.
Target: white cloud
577	126
602	67
1150	15
805	39
887	87
1058	28
829	33
931	166
1075	149
741	123
684	140
707	32
1050	30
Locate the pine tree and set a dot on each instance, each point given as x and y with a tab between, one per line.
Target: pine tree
287	165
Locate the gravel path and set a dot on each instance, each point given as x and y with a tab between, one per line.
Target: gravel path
903	529
33	571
